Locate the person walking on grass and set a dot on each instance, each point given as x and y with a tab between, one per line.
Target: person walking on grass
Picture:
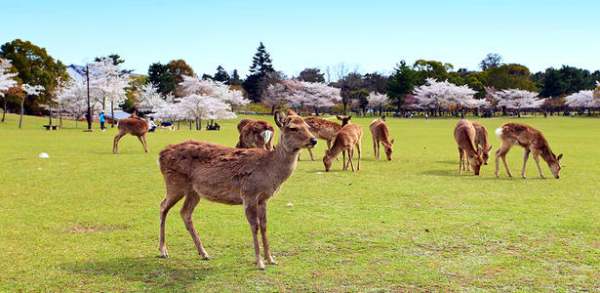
102	121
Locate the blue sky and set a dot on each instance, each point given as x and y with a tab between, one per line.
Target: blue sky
366	35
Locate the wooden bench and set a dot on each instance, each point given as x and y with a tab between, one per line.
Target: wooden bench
51	127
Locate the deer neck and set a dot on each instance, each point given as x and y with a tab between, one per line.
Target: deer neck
283	161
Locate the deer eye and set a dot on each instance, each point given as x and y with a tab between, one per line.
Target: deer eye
293	129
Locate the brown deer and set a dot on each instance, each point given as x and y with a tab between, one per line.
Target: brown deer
248	177
255	134
381	135
345	141
133	125
481	141
325	129
533	141
464	135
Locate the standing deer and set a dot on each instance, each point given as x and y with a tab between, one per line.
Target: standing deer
255	134
464	135
481	141
381	135
345	140
133	125
247	177
533	141
325	129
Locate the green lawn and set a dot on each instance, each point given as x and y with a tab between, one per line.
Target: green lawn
87	220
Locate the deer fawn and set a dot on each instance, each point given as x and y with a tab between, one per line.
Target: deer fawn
325	129
345	140
532	140
464	134
381	135
255	134
481	141
133	125
247	177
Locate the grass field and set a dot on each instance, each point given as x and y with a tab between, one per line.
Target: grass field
87	220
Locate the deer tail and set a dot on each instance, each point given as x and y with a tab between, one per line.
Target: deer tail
499	132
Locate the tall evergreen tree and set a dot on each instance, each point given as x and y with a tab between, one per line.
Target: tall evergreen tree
261	62
261	75
401	83
235	78
161	77
221	75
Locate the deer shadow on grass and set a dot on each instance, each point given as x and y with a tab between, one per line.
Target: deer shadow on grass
156	273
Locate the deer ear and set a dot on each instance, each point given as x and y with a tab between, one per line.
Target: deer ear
392	141
559	157
349	117
338	117
279	119
489	149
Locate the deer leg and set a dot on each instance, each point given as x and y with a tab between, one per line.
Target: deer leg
350	156
191	200
525	157
142	140
170	200
460	160
375	149
252	217
536	157
501	153
344	164
359	150
311	154
116	142
262	219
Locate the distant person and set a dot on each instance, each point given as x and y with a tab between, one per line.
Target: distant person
102	119
151	125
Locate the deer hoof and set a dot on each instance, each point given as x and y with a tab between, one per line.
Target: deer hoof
271	261
205	257
163	255
260	265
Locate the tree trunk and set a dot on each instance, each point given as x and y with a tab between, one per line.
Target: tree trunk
50	116
190	124
22	112
112	114
4	112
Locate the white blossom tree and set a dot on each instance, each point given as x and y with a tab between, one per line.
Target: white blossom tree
7	81
442	95
302	94
517	99
193	85
72	100
109	83
30	90
196	107
378	101
150	99
582	100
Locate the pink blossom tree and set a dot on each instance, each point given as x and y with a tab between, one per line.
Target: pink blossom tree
583	100
378	101
7	81
442	95
518	100
301	94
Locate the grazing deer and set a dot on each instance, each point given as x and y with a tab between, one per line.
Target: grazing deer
248	177
464	134
345	140
481	141
255	134
532	140
325	129
381	135
133	125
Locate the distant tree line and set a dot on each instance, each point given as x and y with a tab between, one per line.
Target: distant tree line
36	67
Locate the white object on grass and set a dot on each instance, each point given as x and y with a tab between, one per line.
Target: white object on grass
43	156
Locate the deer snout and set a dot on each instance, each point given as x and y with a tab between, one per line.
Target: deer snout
557	177
313	141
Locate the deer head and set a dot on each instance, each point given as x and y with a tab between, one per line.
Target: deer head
486	154
554	164
345	119
294	132
388	149
476	162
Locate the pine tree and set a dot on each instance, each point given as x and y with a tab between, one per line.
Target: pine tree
235	78
261	62
221	75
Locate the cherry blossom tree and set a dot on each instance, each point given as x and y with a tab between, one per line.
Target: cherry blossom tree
517	99
442	95
300	94
192	85
72	100
582	100
150	99
378	101
30	90
109	82
6	81
196	107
